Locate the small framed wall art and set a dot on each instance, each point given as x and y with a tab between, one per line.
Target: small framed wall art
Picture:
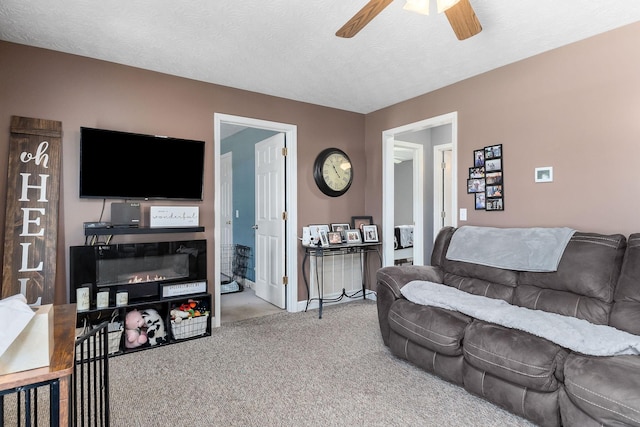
544	174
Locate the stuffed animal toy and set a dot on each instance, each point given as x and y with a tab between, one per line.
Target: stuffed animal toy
155	326
135	330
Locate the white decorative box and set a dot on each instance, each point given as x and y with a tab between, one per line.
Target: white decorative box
34	345
173	216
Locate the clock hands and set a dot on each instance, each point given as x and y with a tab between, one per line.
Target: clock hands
336	170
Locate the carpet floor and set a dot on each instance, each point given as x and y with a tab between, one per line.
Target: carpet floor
290	369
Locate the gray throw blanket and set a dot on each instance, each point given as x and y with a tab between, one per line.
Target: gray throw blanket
520	249
566	331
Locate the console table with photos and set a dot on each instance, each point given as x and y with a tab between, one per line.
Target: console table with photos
313	254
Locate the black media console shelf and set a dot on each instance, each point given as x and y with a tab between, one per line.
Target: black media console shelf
113	231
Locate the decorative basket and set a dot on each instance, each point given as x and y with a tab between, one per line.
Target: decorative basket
114	336
190	327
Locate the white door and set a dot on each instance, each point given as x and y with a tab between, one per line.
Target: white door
270	225
226	214
443	214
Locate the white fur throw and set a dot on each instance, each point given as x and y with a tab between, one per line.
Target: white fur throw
566	331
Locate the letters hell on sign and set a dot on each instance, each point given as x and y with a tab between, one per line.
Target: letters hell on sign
31	224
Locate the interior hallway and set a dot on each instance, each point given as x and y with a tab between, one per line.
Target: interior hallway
244	305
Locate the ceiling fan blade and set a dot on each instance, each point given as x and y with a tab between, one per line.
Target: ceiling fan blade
362	18
463	20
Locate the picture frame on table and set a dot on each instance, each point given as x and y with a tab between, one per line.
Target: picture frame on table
370	233
340	227
335	237
353	236
324	238
358	221
314	231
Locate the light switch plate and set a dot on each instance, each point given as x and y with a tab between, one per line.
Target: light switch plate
463	214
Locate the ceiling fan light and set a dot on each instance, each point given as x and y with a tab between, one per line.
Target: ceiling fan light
418	6
443	5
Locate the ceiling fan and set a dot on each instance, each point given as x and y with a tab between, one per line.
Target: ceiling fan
460	14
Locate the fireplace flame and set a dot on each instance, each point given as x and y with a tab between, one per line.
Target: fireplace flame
147	278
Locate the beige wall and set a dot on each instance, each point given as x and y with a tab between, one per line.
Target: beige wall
85	92
576	108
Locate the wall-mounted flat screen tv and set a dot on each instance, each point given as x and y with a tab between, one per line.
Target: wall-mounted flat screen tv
123	165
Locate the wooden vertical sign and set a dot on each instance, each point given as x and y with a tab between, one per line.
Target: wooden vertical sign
33	192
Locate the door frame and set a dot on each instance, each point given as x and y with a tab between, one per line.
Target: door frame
291	203
223	240
388	141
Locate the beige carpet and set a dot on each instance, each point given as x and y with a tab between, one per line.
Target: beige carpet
290	369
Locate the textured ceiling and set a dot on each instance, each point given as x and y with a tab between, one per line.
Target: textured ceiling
287	48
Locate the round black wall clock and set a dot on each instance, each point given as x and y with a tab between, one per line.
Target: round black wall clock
333	172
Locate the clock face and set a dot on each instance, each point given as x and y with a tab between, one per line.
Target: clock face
333	172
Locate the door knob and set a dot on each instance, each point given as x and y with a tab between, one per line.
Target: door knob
255	227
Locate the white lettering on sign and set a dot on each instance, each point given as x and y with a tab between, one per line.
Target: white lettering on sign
25	187
41	156
26	220
23	290
32	217
25	259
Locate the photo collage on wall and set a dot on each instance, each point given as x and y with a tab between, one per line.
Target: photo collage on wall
485	178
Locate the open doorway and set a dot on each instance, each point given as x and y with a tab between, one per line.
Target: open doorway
433	190
240	222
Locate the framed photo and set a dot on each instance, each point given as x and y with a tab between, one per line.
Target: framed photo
494	190
493	165
492	152
496	204
370	233
339	227
314	230
493	178
335	237
480	201
476	172
475	185
478	158
353	236
324	239
358	221
544	174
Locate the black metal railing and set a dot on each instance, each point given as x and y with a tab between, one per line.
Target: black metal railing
89	391
25	411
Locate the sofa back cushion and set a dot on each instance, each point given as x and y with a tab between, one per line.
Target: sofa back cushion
585	282
625	314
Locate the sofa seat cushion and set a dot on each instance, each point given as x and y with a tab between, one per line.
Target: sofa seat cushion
605	388
514	356
434	328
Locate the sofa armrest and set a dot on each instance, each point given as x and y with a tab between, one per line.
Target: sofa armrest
389	281
393	278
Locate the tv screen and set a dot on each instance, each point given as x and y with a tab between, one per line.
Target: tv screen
122	165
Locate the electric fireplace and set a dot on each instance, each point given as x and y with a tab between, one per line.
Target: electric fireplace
141	269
